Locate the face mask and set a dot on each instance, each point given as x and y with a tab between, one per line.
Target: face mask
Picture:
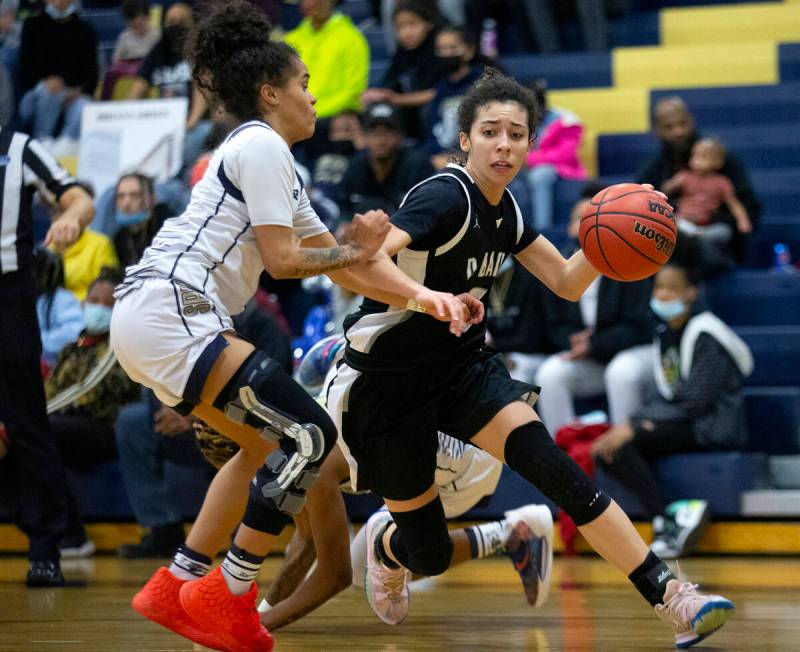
97	318
667	310
60	14
129	219
448	65
341	147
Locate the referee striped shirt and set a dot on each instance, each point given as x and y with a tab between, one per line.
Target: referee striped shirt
25	167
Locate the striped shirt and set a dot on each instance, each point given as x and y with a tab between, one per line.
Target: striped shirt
25	167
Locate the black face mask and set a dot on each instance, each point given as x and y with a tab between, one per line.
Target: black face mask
448	65
341	147
174	37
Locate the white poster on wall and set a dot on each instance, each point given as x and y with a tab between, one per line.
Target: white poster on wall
131	136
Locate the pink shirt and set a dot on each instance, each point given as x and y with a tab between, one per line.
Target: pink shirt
702	195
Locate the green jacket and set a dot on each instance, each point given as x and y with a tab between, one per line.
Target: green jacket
337	57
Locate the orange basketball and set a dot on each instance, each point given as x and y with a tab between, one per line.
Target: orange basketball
628	232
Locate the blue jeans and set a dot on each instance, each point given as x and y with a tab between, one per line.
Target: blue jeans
40	109
541	180
141	456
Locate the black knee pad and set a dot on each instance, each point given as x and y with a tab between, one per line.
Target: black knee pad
264	516
275	389
422	542
531	452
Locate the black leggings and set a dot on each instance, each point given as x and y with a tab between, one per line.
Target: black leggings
632	462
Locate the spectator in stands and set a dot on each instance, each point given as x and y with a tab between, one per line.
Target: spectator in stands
58	64
148	433
452	12
167	69
460	65
332	156
553	156
85	390
380	176
139	37
602	342
674	126
138	217
410	81
543	23
699	406
702	191
57	309
513	321
336	54
133	44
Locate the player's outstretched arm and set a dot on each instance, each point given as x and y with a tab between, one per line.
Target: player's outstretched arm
333	572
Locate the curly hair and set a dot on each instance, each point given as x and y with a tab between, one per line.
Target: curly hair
232	57
494	86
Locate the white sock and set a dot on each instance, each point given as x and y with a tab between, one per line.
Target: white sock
189	564
240	569
487	539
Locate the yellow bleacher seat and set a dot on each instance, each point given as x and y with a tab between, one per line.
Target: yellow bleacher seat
736	24
616	110
695	66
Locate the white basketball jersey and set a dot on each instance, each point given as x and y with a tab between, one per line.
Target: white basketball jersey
250	181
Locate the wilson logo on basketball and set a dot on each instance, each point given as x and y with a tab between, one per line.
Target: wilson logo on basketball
655	207
663	243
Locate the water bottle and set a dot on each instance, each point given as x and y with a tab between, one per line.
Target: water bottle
489	38
782	258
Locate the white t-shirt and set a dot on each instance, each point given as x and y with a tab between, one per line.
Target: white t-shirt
250	181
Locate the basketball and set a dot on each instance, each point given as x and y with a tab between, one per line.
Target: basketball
627	232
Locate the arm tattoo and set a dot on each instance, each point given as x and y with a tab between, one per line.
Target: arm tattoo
292	571
319	261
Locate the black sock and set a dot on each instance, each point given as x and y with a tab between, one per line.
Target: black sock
650	579
380	550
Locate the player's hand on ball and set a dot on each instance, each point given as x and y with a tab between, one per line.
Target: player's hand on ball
650	186
368	231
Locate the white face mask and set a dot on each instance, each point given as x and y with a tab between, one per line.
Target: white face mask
667	310
60	14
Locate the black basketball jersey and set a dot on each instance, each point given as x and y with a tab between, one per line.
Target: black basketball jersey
458	243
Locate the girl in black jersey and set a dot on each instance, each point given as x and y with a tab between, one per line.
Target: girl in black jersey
404	378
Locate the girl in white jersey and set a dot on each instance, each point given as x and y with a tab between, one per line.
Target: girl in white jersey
172	331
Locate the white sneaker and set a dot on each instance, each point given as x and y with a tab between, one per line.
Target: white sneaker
78	550
386	588
693	616
530	546
690	518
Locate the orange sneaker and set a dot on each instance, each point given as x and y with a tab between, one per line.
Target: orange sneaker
233	618
158	600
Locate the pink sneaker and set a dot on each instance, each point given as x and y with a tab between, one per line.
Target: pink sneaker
386	588
693	616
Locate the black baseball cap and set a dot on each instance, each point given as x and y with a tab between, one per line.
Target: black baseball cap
382	113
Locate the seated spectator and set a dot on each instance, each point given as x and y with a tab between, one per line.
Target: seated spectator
133	44
674	126
410	81
58	63
702	191
381	175
460	65
513	321
85	390
336	54
138	217
602	342
332	156
57	309
699	406
6	97
553	155
167	69
148	433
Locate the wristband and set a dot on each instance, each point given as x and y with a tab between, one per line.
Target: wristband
416	307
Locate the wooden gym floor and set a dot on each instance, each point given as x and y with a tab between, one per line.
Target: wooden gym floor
478	606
